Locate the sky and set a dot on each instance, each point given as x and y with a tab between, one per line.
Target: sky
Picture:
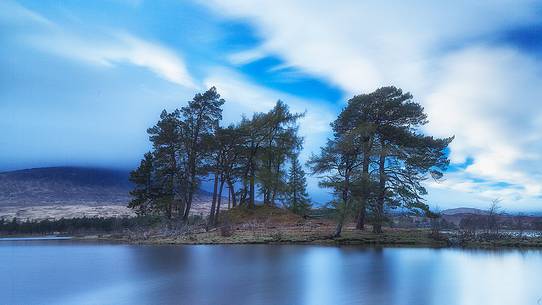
81	81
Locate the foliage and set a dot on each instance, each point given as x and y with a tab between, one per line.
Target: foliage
378	156
297	198
189	145
377	159
76	225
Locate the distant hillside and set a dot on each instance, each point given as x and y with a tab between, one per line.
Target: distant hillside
69	185
456	215
64	185
464	211
55	192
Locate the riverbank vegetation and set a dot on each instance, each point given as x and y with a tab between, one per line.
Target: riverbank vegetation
247	161
269	224
77	226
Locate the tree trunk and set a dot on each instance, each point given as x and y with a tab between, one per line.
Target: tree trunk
173	174
294	201
232	191
268	187
188	206
168	210
273	196
219	201
345	198
191	185
229	198
190	196
338	229
244	191
192	170
277	182
360	221
379	211
266	197
182	206
251	203
213	204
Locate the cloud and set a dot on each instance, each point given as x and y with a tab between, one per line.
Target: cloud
104	47
490	99
13	13
360	45
246	56
471	84
486	94
118	48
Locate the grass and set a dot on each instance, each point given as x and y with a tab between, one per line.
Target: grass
535	242
261	214
272	225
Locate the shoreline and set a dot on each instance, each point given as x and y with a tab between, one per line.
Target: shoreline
391	238
271	225
332	242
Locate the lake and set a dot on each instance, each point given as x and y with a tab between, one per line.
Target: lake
75	272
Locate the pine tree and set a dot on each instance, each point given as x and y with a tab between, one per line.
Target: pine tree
199	120
297	198
180	153
337	164
165	140
282	140
378	156
143	193
268	139
405	156
223	164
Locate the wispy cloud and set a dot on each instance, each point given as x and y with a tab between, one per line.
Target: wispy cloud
13	13
105	47
488	95
472	83
246	56
360	45
490	98
117	48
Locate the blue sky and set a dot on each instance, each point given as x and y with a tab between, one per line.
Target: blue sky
80	81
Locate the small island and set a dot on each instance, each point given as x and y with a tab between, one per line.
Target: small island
374	168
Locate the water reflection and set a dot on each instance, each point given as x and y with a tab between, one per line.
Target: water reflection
71	272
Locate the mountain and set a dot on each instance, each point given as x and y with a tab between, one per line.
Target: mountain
64	185
463	210
456	215
55	192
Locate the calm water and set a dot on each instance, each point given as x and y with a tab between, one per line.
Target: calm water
71	272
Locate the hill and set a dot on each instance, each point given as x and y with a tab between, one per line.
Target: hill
456	215
64	185
55	192
463	210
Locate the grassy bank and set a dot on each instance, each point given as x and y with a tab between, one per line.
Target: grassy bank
390	237
262	225
269	225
